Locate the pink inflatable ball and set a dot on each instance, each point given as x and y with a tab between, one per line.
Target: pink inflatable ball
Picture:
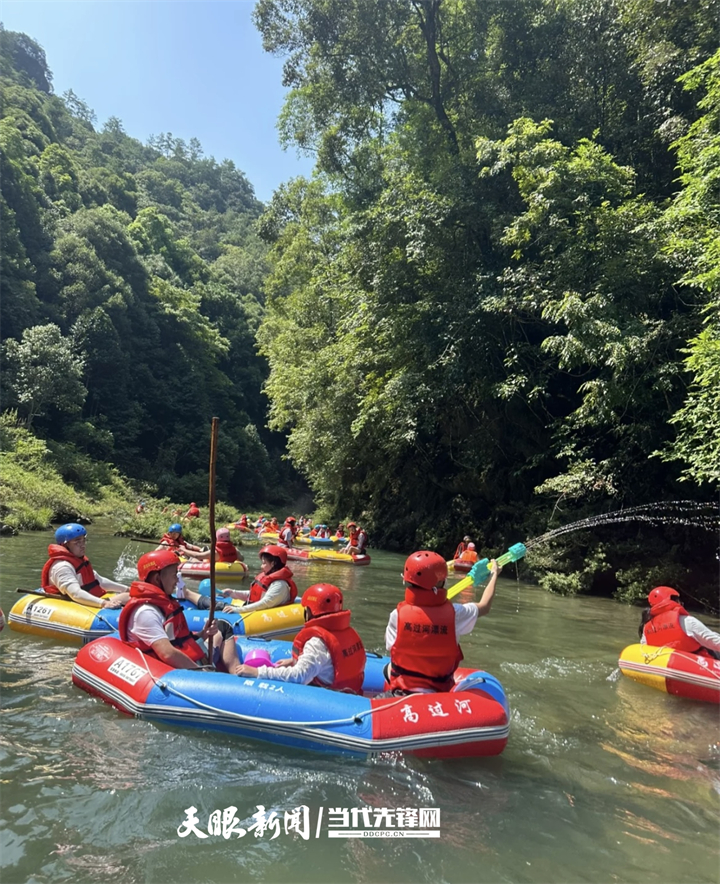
258	658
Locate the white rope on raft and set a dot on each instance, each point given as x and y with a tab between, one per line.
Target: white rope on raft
355	719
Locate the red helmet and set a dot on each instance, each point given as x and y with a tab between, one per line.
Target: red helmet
277	552
662	594
322	598
352	524
290	519
156	561
425	569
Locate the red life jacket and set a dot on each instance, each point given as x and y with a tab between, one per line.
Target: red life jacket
426	652
664	629
340	533
345	646
361	540
172	542
225	551
461	547
174	623
243	523
262	581
84	570
192	513
286	537
353	538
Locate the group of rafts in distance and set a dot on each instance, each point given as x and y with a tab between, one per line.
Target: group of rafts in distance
470	716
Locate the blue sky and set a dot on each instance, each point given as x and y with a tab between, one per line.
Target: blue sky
196	69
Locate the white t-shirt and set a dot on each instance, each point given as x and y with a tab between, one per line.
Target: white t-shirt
314	662
63	576
278	593
465	619
146	624
696	629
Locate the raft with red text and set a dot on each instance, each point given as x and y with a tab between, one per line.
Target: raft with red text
54	617
471	720
679	673
199	570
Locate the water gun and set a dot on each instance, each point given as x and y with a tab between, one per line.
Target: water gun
480	571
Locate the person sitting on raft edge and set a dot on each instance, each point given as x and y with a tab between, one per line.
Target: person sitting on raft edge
154	622
68	573
357	541
173	539
667	624
462	546
327	652
422	632
272	587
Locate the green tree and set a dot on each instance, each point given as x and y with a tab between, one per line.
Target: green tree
41	370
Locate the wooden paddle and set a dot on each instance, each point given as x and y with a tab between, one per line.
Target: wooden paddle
211	509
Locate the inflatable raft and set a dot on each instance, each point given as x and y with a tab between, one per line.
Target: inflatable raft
472	720
326	555
223	570
460	566
680	673
53	617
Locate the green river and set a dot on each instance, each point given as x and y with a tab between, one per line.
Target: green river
603	779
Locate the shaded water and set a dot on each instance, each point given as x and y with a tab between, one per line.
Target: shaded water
603	779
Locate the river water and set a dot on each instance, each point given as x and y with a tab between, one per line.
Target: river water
603	779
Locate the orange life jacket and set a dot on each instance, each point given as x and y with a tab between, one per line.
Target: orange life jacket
262	581
345	646
225	551
84	570
426	652
469	555
174	622
286	537
172	542
664	629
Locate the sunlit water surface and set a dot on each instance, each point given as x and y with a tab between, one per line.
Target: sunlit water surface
602	780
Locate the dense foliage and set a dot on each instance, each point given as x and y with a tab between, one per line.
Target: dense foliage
493	309
132	288
492	281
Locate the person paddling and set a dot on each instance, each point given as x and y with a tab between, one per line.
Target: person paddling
153	620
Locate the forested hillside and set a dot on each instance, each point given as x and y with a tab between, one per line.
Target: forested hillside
502	285
131	294
493	309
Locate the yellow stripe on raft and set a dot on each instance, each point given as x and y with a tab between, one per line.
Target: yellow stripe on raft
646	664
330	555
36	614
284	622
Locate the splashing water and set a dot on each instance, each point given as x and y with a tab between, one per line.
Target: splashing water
705	516
126	568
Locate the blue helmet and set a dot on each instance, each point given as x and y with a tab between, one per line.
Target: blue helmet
176	526
204	587
71	531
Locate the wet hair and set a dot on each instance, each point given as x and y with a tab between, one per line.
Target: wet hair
645	617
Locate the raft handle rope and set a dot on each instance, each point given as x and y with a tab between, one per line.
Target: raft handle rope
354	719
651	656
